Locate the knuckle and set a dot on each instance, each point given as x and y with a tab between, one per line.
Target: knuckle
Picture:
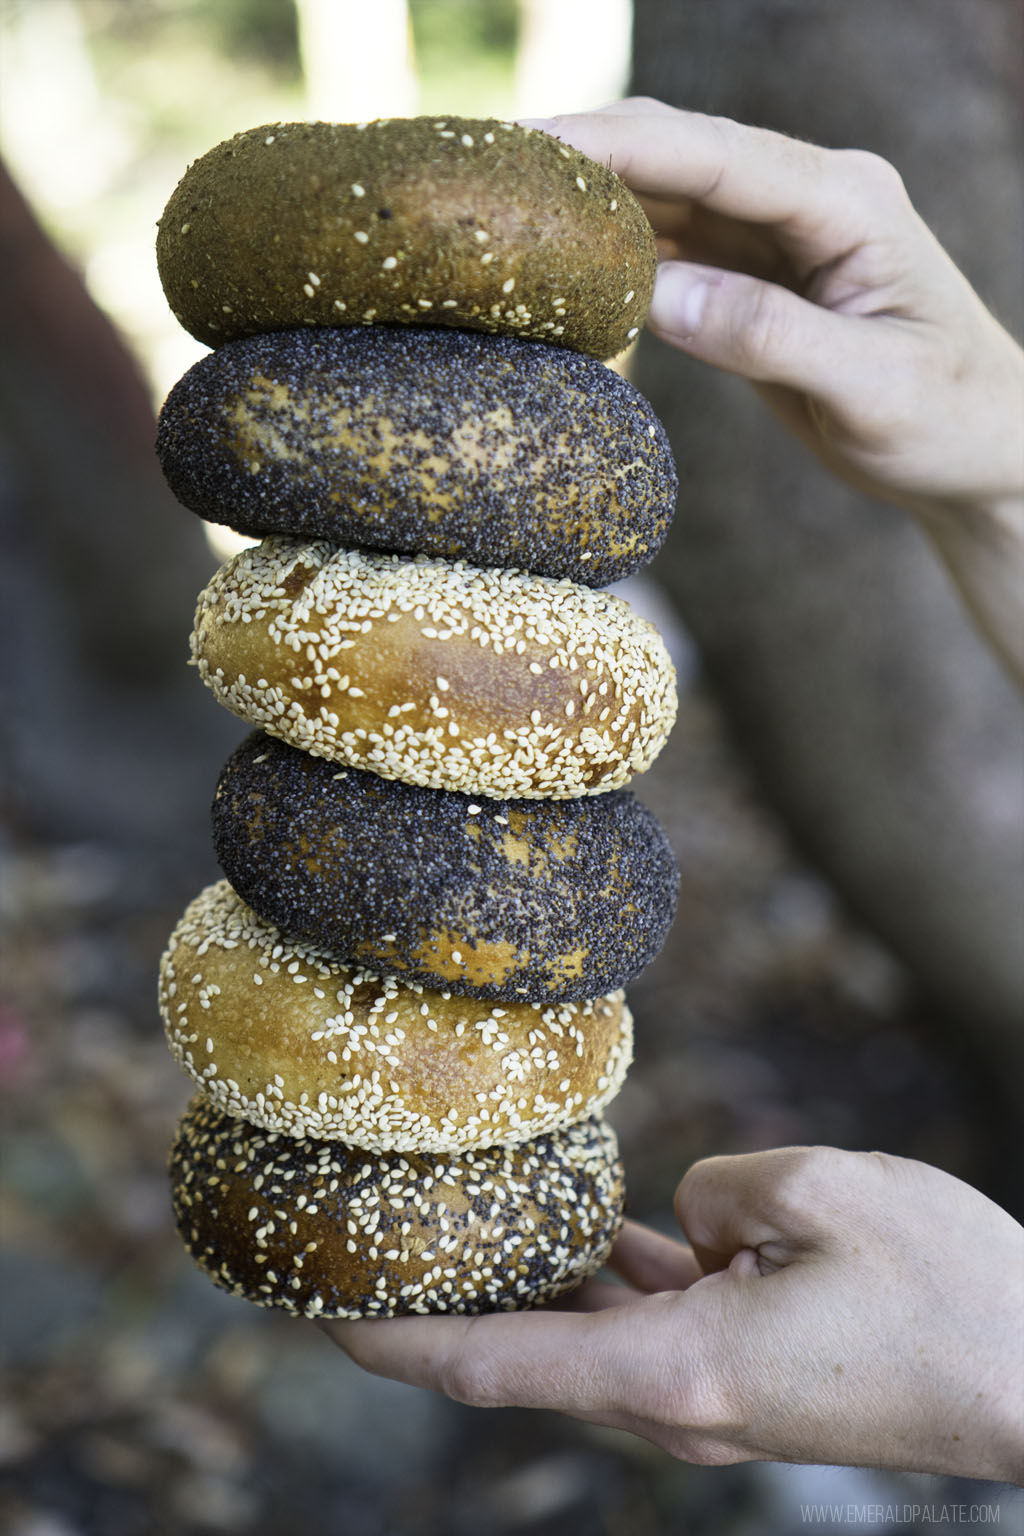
692	1179
759	326
468	1379
871	176
811	1175
703	1420
686	1390
705	1451
469	1375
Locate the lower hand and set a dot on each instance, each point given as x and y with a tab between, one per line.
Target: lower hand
831	1307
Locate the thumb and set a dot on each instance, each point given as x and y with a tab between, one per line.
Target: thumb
747	326
777	1205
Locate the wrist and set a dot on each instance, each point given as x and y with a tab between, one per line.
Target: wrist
995	517
981	543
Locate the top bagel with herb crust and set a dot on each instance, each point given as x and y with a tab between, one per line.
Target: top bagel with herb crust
478	224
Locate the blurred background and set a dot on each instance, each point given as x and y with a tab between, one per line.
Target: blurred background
844	787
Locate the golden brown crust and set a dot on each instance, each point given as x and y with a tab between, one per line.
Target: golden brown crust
323	1230
472	223
489	682
287	1036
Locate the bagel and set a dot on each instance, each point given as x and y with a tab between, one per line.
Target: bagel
285	1035
445	443
489	682
324	1230
545	900
472	223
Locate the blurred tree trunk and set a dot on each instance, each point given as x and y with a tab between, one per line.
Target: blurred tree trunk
881	729
107	734
357	59
550	34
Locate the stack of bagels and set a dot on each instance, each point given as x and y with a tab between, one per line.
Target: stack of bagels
403	1006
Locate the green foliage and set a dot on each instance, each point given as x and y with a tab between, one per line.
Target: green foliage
449	33
465	55
263	32
266	30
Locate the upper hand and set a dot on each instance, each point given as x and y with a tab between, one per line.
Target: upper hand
808	271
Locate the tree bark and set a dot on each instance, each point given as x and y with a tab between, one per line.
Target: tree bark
107	734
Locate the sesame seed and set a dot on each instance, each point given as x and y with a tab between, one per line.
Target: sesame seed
538	623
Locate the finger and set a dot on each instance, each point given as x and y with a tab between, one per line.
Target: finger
763	331
747	173
527	1359
598	1296
623	1388
651	1262
585	1363
780	1204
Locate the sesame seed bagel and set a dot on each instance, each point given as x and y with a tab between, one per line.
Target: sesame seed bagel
490	682
287	1036
445	443
543	900
324	1230
477	224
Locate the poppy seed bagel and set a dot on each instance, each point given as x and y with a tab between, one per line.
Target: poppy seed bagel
477	224
542	900
324	1230
489	682
447	443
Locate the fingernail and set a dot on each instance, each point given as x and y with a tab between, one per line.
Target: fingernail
540	124
680	299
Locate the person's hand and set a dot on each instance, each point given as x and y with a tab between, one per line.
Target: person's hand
808	271
834	1307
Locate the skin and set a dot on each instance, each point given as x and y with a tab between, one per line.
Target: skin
829	1306
839	1307
808	272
